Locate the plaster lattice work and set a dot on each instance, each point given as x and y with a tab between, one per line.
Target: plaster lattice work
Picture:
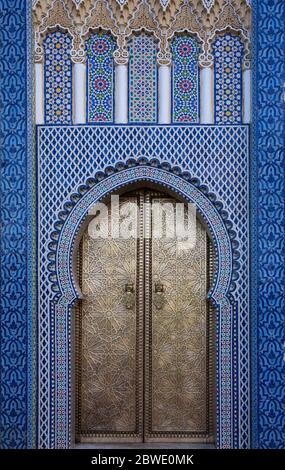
218	157
198	17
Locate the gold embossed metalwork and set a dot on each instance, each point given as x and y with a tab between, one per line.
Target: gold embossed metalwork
177	364
110	391
146	334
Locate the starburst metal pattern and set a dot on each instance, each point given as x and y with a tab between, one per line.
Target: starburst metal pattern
109	369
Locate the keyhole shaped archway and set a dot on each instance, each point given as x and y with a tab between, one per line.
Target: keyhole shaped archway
144	329
62	254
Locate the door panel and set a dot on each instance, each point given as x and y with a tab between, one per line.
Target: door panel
110	388
177	375
145	355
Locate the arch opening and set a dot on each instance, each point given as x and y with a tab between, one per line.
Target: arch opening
159	346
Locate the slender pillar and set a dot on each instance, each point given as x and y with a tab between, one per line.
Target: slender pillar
164	94
207	95
39	93
246	112
121	93
79	93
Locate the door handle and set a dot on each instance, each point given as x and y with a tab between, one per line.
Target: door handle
158	295
129	295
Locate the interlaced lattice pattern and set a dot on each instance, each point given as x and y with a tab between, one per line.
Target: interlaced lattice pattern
218	156
143	79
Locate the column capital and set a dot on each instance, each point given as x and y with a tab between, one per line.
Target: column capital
246	95
206	61
39	54
78	56
121	56
164	58
39	93
246	63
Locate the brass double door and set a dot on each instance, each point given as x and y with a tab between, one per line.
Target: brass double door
145	359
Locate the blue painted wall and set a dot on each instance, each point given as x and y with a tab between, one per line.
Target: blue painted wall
268	230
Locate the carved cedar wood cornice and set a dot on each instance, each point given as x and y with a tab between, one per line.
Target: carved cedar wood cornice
163	18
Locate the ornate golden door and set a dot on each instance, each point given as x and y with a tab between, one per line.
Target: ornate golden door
144	329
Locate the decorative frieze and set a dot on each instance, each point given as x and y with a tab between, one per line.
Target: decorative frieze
202	18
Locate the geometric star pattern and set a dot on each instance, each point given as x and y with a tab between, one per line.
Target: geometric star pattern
228	53
58	78
99	49
185	51
143	79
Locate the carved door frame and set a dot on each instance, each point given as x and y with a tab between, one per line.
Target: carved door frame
63	277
